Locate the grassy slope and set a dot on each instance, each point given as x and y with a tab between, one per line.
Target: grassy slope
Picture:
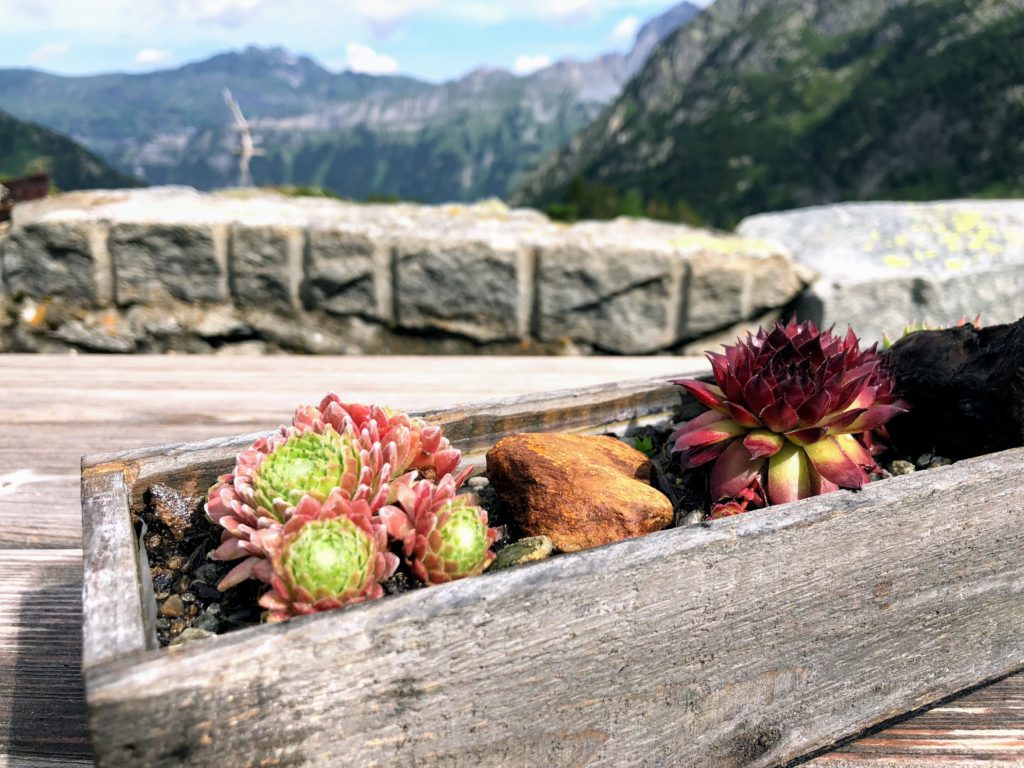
26	148
916	107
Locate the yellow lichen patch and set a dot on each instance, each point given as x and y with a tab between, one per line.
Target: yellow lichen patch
955	265
965	221
896	261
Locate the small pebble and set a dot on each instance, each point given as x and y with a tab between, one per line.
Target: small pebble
476	483
162	580
694	517
177	627
924	460
901	467
205	591
940	461
173	607
208	572
183	584
526	550
192	634
176	563
208	620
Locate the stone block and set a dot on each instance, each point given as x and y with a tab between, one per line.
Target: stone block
155	260
50	258
339	272
465	287
266	266
616	299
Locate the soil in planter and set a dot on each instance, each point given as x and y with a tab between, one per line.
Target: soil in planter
178	539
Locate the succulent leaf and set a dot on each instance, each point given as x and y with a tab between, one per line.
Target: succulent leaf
792	410
328	555
444	537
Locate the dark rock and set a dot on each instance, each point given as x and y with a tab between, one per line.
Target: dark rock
208	619
966	387
177	511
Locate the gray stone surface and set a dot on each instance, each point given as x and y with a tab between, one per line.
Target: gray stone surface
462	286
339	271
205	272
156	260
50	259
266	266
883	265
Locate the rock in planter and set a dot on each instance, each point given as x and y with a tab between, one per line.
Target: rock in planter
949	376
528	550
580	491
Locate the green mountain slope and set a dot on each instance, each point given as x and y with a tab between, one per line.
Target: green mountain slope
769	104
26	148
356	135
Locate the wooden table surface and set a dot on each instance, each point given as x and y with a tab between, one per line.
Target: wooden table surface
54	409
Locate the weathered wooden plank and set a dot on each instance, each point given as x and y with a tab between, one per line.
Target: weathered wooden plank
42	713
54	409
983	727
747	642
112	587
474	428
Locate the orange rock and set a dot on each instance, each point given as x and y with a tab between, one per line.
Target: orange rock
581	491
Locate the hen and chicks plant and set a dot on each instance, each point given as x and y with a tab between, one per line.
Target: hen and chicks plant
308	509
790	416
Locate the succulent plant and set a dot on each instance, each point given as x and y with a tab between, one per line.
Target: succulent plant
444	537
310	459
419	446
785	416
329	554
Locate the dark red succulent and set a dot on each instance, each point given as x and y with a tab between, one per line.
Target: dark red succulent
789	412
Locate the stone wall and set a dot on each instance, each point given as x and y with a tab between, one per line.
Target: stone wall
174	270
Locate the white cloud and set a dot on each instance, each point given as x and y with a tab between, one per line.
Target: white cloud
526	64
150	56
226	13
625	31
48	52
362	58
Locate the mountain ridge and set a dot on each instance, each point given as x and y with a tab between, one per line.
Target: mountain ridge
357	135
761	105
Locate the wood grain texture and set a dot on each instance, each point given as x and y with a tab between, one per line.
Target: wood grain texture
982	728
747	642
54	409
112	588
42	717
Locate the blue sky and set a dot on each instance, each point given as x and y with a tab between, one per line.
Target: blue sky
431	39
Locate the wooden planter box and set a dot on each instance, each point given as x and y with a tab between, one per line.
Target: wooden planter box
745	642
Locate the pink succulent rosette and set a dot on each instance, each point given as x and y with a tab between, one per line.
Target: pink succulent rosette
789	414
444	537
419	446
326	556
276	473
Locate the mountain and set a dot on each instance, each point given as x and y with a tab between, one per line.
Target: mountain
26	148
761	105
356	135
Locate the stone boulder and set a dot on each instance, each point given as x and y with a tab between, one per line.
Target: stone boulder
883	265
580	491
